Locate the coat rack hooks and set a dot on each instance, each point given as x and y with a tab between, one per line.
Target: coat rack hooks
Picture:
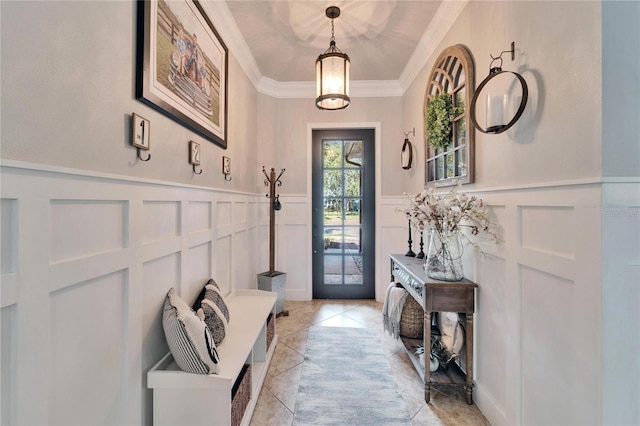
194	170
142	159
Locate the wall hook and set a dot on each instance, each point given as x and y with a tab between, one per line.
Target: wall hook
142	159
194	170
227	177
513	56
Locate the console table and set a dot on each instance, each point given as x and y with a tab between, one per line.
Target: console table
437	296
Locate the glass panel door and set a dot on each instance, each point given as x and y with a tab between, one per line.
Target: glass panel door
340	223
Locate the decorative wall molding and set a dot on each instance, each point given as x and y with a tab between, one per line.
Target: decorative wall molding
87	263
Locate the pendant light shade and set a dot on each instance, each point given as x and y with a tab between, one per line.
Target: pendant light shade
332	73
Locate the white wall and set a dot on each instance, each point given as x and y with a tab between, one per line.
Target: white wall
621	88
545	355
68	92
92	238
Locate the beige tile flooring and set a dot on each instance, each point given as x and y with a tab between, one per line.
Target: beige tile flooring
276	403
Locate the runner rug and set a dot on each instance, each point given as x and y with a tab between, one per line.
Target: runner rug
346	380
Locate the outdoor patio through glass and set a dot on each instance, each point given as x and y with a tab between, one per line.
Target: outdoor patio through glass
342	199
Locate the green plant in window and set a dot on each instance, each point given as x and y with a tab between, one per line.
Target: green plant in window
439	118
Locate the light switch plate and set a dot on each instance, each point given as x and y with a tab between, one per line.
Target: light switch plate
141	130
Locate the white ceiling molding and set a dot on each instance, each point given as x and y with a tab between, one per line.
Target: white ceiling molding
445	16
223	21
287	89
307	89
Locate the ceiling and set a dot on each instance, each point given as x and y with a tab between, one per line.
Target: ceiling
286	36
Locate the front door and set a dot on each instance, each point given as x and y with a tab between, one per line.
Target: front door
343	193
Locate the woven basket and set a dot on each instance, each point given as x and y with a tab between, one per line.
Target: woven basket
412	319
240	395
271	329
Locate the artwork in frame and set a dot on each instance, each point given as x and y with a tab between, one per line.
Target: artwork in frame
182	66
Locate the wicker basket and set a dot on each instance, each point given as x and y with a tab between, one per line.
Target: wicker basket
240	395
412	319
271	328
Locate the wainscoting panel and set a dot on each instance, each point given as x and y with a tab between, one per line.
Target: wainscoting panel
8	363
558	223
161	220
491	337
9	230
199	216
158	276
551	338
198	270
82	228
223	261
392	237
87	260
621	302
293	263
87	329
538	307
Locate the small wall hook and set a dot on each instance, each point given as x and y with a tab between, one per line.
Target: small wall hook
493	59
406	134
194	170
142	159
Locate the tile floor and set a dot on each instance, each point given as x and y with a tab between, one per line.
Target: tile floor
276	403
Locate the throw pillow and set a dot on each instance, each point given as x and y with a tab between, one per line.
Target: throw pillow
216	312
189	339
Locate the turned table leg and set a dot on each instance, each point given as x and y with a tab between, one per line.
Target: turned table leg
469	358
426	343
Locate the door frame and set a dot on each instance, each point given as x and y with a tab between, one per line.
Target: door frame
381	268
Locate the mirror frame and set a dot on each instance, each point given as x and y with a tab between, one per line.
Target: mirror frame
452	72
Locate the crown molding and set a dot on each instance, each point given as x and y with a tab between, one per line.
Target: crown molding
223	21
307	89
445	16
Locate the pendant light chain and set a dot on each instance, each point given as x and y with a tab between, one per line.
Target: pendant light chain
333	38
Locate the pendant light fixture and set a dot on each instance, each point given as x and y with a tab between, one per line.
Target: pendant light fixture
332	73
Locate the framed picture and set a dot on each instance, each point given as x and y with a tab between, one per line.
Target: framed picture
182	66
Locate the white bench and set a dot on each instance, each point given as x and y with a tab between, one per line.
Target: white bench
181	398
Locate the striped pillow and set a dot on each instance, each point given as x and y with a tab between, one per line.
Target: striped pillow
188	337
216	313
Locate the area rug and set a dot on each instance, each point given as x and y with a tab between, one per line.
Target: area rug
346	380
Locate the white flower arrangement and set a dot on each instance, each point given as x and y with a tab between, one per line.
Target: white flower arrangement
451	213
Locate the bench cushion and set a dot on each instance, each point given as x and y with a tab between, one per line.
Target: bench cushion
188	337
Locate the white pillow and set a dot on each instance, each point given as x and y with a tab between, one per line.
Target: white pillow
188	337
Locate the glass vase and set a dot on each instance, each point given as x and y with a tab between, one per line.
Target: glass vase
444	257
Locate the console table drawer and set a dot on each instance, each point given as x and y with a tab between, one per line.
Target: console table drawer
449	299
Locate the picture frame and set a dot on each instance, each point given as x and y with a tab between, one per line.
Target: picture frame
182	66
